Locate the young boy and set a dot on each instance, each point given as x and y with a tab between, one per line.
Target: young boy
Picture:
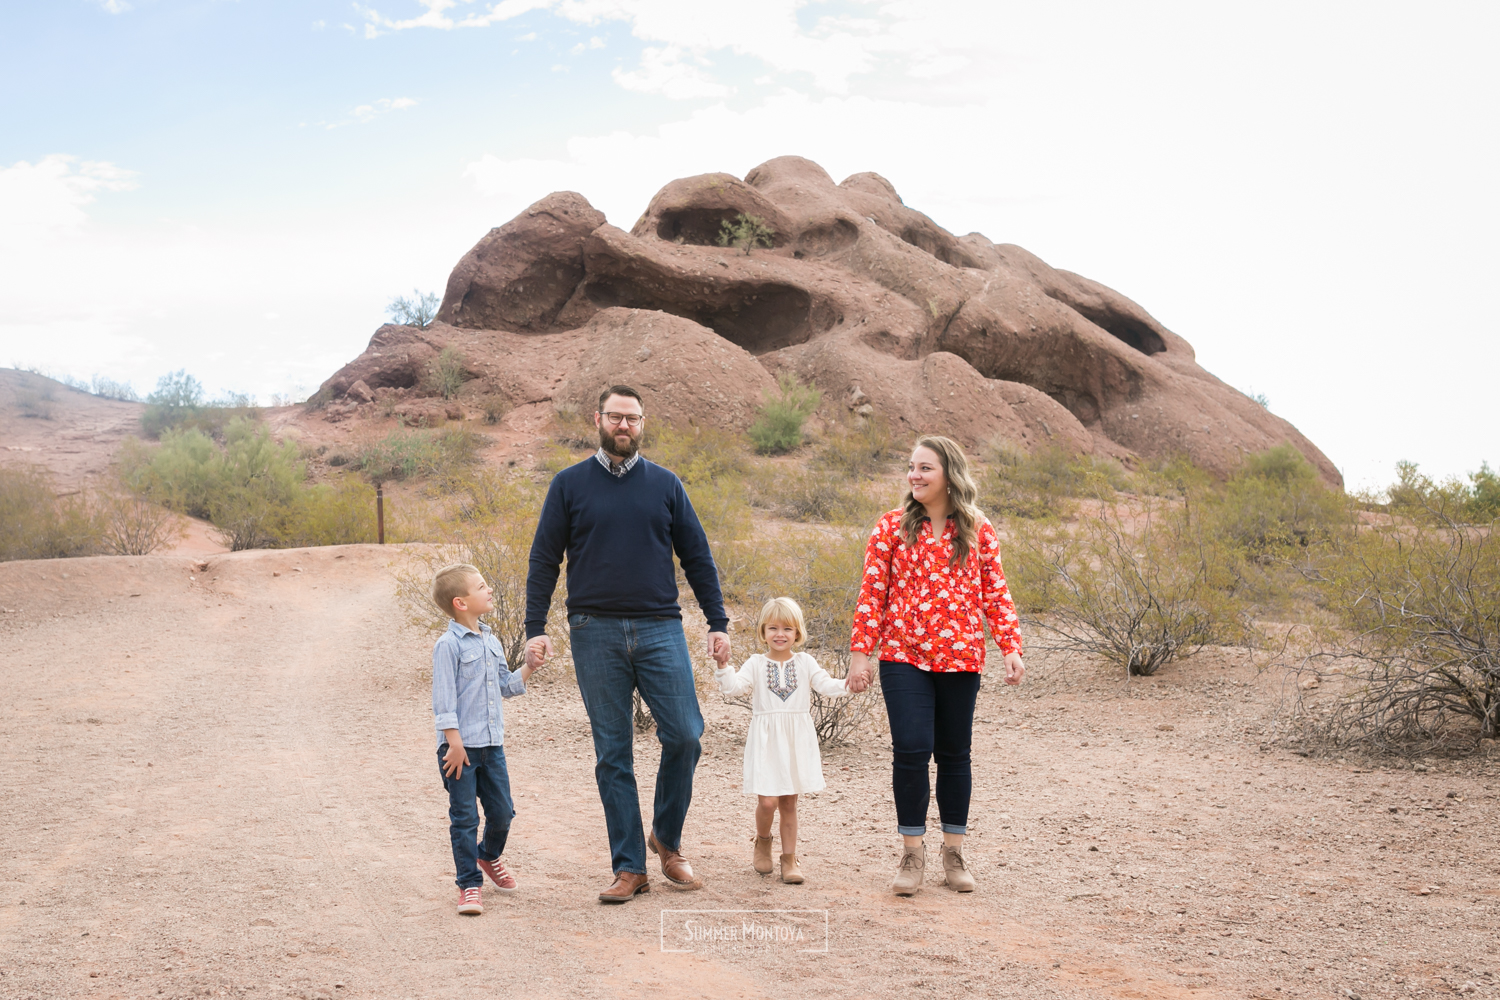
469	680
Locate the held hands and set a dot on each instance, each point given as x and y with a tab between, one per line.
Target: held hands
718	648
860	673
1015	669
538	650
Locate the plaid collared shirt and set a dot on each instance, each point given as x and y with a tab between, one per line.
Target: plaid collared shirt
616	470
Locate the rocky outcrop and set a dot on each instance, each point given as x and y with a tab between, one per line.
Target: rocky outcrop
862	295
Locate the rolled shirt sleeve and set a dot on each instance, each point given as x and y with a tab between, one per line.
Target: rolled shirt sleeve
445	683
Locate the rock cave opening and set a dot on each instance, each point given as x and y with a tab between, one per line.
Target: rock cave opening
698	226
758	317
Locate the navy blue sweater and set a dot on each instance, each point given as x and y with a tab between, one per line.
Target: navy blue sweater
619	535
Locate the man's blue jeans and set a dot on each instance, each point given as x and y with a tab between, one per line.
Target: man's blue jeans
487	780
613	657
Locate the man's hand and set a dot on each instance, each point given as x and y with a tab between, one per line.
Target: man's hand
538	650
860	673
718	648
1015	669
457	758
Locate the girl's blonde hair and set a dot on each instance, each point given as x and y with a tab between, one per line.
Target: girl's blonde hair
782	611
963	497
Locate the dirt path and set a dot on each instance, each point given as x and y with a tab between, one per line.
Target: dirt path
226	786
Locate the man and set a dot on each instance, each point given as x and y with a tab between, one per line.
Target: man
619	518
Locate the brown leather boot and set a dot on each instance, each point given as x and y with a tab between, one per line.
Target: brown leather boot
763	854
624	888
791	872
673	866
908	881
956	870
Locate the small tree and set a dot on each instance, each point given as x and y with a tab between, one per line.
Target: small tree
778	426
746	232
419	310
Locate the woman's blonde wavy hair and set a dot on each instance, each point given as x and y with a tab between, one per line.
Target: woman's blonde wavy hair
963	497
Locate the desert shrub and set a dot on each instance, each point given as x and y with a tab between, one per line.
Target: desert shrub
1275	506
256	485
494	406
108	388
406	452
746	232
1420	497
491	527
778	423
1044	484
553	458
818	495
36	523
131	526
178	402
696	454
575	427
1416	630
180	474
446	373
1138	588
419	310
337	513
857	448
834	575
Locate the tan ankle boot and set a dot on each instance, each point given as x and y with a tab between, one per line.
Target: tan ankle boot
763	854
909	877
955	871
790	871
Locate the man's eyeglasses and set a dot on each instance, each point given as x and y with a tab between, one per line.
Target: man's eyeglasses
616	419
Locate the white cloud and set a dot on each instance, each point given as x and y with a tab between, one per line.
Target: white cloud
114	6
366	113
48	197
662	71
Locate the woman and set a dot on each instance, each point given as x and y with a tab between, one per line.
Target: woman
932	578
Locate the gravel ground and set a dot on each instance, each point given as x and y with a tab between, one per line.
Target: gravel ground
226	786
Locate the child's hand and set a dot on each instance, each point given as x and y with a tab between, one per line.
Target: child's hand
455	760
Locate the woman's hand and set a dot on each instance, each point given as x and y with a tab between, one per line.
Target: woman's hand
860	673
1015	669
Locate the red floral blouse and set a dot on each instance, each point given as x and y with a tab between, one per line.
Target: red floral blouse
915	609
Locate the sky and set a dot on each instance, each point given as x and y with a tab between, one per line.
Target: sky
1305	191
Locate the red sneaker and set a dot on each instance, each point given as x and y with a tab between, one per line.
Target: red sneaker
468	902
503	879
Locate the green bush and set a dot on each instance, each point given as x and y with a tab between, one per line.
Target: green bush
1276	505
746	232
178	402
407	452
1416	631
859	447
36	523
1138	587
1043	485
778	424
446	374
1421	498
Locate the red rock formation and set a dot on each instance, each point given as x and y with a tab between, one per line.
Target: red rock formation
883	309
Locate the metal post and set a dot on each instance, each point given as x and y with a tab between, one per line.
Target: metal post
380	515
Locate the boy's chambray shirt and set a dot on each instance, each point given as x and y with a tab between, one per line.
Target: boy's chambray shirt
469	679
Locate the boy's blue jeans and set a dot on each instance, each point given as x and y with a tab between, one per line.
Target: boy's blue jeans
485	779
613	657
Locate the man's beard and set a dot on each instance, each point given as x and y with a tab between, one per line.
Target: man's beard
611	447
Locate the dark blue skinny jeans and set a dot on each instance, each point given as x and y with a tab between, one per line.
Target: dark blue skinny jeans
486	780
613	657
932	717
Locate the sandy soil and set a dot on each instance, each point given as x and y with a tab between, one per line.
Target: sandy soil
220	781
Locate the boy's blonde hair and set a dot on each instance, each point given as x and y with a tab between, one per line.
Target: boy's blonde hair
782	611
450	582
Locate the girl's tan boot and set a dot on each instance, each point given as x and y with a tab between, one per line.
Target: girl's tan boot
790	871
955	871
908	881
763	855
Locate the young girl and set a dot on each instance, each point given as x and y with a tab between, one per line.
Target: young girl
781	749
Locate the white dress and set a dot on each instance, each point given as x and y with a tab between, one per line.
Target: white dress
781	748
